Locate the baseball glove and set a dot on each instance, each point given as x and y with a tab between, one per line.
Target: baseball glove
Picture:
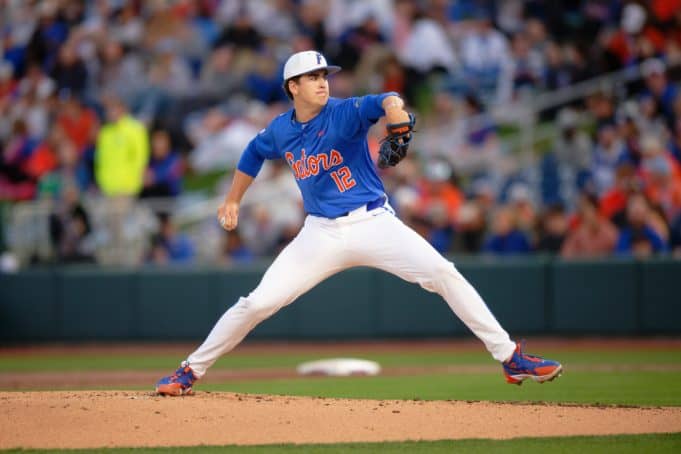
395	145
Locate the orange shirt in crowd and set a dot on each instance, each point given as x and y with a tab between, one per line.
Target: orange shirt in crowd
587	241
41	161
440	193
664	10
612	202
668	197
624	46
80	129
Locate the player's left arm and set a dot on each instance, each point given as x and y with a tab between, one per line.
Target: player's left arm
400	127
393	106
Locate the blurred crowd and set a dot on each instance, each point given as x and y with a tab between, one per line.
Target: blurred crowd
123	100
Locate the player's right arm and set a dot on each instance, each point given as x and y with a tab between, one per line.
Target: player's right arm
260	148
228	213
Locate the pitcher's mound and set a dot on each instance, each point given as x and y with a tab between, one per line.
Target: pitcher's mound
90	419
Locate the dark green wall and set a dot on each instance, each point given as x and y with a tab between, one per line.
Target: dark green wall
528	296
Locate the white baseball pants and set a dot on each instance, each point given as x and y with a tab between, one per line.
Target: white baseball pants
324	247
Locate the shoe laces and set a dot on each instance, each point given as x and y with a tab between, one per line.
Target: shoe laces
182	370
527	356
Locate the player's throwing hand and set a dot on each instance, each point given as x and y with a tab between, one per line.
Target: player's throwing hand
228	215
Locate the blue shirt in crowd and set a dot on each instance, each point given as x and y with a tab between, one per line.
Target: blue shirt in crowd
628	235
515	242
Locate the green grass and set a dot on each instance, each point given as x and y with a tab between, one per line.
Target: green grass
649	388
13	363
577	385
622	444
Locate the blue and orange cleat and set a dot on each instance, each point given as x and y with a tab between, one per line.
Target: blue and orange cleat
522	366
178	384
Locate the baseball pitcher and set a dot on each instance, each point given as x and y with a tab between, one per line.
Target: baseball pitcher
349	221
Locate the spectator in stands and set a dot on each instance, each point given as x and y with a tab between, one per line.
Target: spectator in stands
601	106
527	64
593	235
79	122
607	154
164	22
675	139
653	149
426	51
163	177
557	72
169	76
480	152
311	23
69	72
649	116
169	246
15	182
8	84
221	133
122	71
357	41
659	88
169	71
630	126
572	148
639	236
126	26
70	229
48	36
506	238
486	59
402	185
275	205
264	81
439	200
235	251
120	160
442	129
521	203
471	228
218	76
553	228
70	171
43	157
437	190
394	75
241	33
636	33
662	180
32	105
122	151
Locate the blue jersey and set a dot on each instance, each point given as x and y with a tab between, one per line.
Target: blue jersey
328	155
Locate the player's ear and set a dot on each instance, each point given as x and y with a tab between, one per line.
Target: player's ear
293	86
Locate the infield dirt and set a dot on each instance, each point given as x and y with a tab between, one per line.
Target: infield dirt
89	419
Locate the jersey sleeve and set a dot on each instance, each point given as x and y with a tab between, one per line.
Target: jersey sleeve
357	115
260	148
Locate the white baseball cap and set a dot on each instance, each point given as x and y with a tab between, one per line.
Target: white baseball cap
307	62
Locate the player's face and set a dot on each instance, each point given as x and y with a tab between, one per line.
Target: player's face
312	88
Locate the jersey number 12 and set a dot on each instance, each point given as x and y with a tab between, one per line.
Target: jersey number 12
343	179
